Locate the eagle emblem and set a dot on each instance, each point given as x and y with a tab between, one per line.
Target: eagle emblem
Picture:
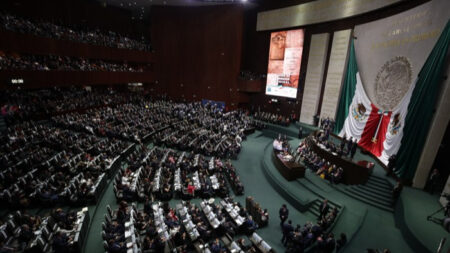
359	112
395	124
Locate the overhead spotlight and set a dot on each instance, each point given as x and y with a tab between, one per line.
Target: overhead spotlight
244	1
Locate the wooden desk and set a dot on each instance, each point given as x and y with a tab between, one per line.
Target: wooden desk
354	173
289	170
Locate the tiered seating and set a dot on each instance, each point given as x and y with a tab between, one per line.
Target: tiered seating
184	212
89	36
121	231
233	178
56	166
132	182
164	174
210	132
60	230
260	244
132	122
22	105
17	231
206	227
63	63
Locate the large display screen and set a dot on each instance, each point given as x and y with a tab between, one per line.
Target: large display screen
285	56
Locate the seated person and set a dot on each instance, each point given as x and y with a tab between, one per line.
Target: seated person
216	246
116	246
250	224
60	242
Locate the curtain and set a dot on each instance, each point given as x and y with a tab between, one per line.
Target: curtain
420	108
348	90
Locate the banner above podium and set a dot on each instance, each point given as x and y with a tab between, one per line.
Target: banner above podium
317	12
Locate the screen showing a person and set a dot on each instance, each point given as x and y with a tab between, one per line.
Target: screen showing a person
285	56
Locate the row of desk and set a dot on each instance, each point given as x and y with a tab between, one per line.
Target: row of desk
354	173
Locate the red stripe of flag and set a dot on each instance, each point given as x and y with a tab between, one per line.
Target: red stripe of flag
369	131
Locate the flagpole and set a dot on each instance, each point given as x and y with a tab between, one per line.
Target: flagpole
374	138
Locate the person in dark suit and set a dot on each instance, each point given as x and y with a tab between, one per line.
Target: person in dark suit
391	164
397	190
284	214
350	144
116	247
60	243
324	207
216	247
300	133
343	142
287	230
330	243
433	182
353	149
341	242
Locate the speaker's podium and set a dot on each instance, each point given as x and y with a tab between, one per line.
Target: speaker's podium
287	168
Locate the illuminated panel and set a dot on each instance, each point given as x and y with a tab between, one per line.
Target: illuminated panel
285	56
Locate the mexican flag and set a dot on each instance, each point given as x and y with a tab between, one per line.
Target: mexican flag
402	131
379	132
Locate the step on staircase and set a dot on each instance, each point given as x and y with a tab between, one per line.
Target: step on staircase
314	207
376	192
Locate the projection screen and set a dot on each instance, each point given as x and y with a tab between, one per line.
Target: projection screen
285	56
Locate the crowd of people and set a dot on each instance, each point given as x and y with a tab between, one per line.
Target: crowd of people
311	235
210	131
130	121
188	227
64	159
179	125
22	105
165	174
79	34
272	118
62	63
320	166
61	231
327	124
45	165
346	148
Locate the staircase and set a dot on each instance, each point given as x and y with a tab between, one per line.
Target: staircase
377	192
314	208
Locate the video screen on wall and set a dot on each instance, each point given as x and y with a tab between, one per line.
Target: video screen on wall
285	56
